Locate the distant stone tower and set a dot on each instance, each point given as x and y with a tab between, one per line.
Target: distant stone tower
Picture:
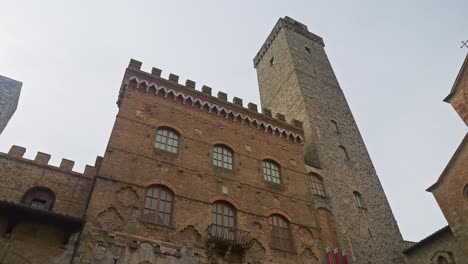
9	95
296	78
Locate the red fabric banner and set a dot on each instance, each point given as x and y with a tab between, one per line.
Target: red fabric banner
329	256
337	255
345	258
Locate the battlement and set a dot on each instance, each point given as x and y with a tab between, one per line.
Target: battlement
42	159
292	25
204	99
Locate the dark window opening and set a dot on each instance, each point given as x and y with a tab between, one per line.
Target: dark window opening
359	200
38	204
335	126
41	198
272	61
307	49
344	153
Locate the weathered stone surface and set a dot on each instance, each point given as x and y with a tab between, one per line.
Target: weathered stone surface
301	85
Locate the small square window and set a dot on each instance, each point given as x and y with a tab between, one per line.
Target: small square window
38	204
272	61
307	49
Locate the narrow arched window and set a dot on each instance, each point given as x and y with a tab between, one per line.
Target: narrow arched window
222	157
280	233
158	205
41	198
442	260
358	199
344	152
316	185
271	171
167	139
465	191
335	126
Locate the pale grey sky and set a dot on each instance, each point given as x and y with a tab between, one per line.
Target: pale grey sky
395	61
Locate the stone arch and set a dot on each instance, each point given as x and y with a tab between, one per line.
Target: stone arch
162	182
279	212
440	256
225	198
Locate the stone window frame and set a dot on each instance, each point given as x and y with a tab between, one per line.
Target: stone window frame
316	184
225	153
148	208
40	198
335	126
271	171
167	139
359	200
344	152
442	260
465	191
280	233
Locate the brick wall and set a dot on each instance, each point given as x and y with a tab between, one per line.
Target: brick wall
132	163
31	240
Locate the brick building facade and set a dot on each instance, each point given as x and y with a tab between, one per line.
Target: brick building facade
188	177
450	244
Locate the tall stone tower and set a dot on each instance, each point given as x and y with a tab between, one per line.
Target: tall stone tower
296	78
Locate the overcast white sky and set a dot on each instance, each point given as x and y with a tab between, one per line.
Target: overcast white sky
395	61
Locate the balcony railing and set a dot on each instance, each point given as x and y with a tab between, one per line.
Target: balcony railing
229	236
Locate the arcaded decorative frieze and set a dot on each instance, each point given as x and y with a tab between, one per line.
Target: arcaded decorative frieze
202	104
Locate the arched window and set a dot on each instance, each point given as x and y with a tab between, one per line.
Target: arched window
280	233
224	221
442	260
335	126
167	139
222	157
344	153
271	171
316	185
224	214
465	191
41	198
158	205
358	199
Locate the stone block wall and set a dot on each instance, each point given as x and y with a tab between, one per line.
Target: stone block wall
441	244
296	77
